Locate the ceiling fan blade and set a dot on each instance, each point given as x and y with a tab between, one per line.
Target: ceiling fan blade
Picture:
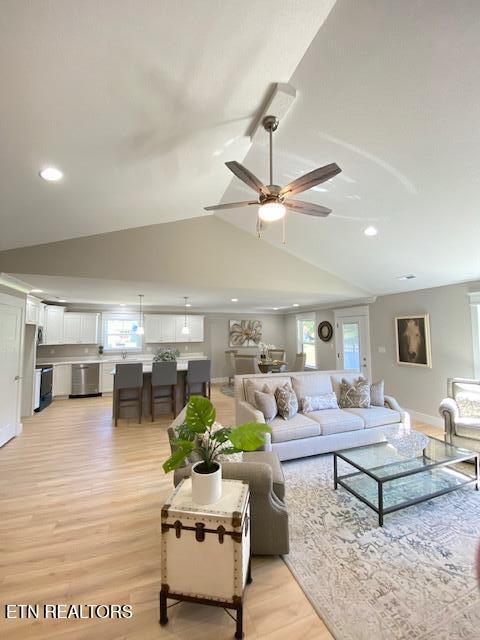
309	180
308	208
247	177
230	205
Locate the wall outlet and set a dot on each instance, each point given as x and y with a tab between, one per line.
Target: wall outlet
382	350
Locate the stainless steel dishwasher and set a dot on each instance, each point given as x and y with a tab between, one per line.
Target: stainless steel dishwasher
85	380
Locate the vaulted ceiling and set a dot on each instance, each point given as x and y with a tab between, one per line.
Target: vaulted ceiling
140	104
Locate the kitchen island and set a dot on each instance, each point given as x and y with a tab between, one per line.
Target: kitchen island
162	408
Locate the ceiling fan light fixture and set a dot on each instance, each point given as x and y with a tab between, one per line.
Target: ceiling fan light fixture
271	211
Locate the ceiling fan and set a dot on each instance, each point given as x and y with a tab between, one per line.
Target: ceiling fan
273	201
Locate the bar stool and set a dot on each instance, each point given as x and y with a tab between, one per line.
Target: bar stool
128	379
198	379
164	386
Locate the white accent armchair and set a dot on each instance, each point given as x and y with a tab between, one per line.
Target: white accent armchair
461	412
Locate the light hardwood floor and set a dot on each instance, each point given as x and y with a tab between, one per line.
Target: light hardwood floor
80	523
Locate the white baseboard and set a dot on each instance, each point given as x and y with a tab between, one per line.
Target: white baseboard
218	380
434	421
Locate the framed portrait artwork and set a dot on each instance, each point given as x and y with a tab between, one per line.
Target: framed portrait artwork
413	340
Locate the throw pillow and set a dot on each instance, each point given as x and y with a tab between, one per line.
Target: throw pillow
318	403
287	402
356	395
468	404
266	403
377	394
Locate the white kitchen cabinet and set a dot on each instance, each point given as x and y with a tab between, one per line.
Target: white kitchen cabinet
62	379
41	314
32	311
159	327
71	331
168	328
53	325
195	324
80	328
195	329
153	327
107	377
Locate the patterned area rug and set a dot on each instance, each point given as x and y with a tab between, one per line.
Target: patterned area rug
228	390
412	579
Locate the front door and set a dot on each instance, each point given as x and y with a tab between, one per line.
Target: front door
10	344
353	351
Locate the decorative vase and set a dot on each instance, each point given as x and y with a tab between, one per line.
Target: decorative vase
206	486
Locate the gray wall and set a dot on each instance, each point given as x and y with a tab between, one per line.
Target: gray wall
417	388
325	350
215	343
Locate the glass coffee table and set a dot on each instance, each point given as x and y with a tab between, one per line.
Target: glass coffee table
405	470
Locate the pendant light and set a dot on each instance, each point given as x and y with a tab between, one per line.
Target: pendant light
185	329
140	328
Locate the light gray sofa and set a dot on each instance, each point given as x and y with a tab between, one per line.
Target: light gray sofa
461	412
318	431
268	513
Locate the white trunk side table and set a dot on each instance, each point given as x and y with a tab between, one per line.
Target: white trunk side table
206	549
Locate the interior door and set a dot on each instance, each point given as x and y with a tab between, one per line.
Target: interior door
10	347
353	345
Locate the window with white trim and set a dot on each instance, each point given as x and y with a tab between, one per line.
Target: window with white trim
120	332
306	340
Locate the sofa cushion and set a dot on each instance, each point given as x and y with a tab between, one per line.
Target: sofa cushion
377	393
287	402
294	429
266	403
467	396
336	421
376	416
336	381
316	403
354	395
257	384
311	384
468	428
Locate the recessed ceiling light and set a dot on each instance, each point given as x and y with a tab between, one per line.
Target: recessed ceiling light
295	304
233	299
410	276
122	304
276	308
188	304
36	290
51	174
61	300
370	231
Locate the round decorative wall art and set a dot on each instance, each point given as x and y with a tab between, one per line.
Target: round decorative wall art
325	331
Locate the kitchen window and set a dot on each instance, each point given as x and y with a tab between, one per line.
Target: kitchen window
120	332
306	340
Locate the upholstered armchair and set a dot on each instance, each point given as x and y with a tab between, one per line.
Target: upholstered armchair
268	513
461	412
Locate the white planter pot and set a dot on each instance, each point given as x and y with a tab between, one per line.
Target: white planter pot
206	487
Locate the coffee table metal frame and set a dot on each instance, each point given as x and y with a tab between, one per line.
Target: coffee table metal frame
381	510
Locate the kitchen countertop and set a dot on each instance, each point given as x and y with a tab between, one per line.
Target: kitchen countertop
182	360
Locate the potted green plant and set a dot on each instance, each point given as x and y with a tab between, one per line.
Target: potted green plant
166	354
202	435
